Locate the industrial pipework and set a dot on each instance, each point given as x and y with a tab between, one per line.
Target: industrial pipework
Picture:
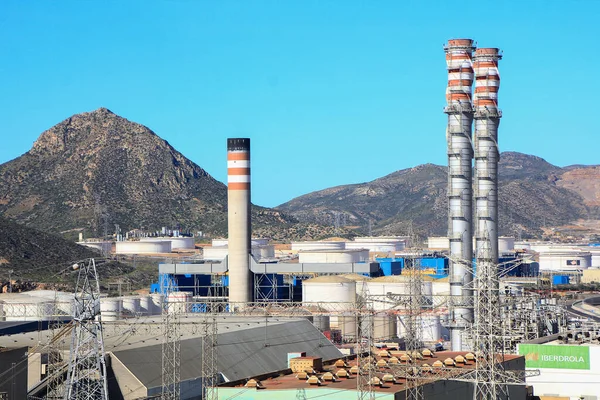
238	215
460	154
487	155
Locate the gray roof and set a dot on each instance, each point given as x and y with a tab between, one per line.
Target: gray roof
247	350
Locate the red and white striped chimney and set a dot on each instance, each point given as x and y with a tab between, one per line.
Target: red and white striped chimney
238	214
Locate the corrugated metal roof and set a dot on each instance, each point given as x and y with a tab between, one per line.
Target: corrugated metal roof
240	354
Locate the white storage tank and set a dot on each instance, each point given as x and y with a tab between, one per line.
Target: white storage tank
438	242
177	243
140	247
384	327
522	246
215	252
322	322
26	308
565	260
255	242
157	303
333	256
347	324
377	244
397	285
361	282
146	305
110	308
319	245
432	327
506	244
131	305
329	290
264	251
179	302
595	258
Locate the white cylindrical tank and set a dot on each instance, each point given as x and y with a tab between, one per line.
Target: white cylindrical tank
506	244
347	324
146	305
438	242
177	243
329	290
565	260
384	327
432	327
110	308
179	302
382	244
397	285
595	258
298	246
322	322
131	305
522	246
26	308
157	303
141	247
215	252
332	256
264	251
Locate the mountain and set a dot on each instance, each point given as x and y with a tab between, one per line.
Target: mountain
32	256
97	169
532	193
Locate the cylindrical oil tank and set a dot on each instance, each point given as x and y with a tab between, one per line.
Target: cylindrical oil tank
361	282
347	324
438	242
397	285
177	243
565	260
298	246
322	322
179	302
215	252
384	327
27	308
131	305
157	303
332	292
506	244
432	327
146	305
332	256
110	308
139	247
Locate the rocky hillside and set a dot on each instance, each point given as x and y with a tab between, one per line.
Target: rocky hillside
97	169
533	193
35	256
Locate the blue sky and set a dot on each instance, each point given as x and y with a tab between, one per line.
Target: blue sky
331	92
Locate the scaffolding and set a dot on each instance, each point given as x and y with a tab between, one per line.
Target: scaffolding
171	346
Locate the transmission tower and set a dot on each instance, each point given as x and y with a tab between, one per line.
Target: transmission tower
414	304
171	346
209	371
86	377
364	338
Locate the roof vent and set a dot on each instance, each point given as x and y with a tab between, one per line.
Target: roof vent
328	376
254	383
314	380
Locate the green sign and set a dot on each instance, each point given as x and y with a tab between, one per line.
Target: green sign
563	357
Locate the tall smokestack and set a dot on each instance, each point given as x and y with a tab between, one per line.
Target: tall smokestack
460	155
487	156
238	215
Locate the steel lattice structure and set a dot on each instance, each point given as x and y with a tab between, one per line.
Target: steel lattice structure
209	371
364	342
413	339
86	377
171	346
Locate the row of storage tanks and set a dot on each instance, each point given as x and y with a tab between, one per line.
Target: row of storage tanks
331	292
47	305
505	243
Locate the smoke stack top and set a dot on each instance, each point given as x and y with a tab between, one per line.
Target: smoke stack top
238	144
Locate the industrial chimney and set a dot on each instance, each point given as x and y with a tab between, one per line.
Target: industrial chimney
487	156
460	154
238	215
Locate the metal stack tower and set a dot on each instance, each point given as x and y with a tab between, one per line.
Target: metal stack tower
86	377
460	154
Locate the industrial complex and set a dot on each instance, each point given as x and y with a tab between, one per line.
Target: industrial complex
470	315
